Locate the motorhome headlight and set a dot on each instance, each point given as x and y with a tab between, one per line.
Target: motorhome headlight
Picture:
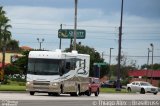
29	82
54	84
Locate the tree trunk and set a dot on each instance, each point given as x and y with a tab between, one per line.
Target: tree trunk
3	57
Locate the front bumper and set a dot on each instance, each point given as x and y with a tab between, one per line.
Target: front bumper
151	90
43	87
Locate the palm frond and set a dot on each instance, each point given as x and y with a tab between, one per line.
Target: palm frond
2	11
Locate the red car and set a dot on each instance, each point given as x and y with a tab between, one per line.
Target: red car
94	86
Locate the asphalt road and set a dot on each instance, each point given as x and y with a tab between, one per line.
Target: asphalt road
42	99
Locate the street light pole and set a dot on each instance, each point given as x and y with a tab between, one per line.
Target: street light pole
102	54
75	25
152	61
152	52
60	42
110	62
110	55
40	42
119	51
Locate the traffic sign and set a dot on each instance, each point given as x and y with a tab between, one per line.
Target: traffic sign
69	33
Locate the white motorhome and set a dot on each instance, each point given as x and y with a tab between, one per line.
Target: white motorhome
56	72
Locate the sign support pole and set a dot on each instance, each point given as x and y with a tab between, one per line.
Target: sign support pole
71	44
75	25
60	38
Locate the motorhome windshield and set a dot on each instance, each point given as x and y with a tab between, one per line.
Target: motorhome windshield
43	66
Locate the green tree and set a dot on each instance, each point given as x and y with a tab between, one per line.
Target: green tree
2	22
126	65
22	62
5	34
156	66
12	45
11	70
145	66
94	56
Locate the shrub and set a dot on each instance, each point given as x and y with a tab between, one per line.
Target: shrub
125	81
18	79
5	81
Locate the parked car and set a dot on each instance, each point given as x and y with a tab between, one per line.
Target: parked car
142	87
109	84
93	87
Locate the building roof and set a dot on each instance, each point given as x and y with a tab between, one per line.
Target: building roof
26	48
148	73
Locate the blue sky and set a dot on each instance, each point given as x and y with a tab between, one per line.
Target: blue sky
32	19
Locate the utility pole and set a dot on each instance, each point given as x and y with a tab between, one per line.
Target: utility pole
147	64
119	51
60	42
148	56
71	44
40	42
152	61
110	62
75	25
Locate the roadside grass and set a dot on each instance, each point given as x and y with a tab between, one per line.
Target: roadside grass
18	83
113	90
12	88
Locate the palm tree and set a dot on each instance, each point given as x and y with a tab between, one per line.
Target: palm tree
6	37
5	34
2	19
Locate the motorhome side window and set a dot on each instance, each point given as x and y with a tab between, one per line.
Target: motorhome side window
70	64
82	63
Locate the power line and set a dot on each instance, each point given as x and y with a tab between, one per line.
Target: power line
129	55
88	32
36	34
34	24
103	38
132	56
99	32
34	28
97	26
55	35
139	48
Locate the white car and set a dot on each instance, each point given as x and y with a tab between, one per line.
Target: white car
142	87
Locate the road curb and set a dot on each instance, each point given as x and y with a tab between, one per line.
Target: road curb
13	92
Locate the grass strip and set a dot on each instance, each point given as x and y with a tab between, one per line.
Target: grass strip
12	88
112	90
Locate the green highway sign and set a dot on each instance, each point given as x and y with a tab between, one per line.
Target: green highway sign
69	33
